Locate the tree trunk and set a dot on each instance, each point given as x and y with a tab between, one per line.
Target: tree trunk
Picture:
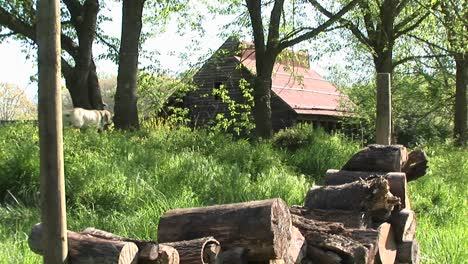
167	255
52	182
408	252
297	247
197	251
416	165
236	255
404	225
262	227
85	249
386	246
461	100
262	106
126	112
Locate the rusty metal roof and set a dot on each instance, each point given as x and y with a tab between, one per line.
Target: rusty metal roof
303	89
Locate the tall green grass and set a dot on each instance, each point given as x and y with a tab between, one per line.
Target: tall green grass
124	181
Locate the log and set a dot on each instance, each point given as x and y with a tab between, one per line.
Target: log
197	251
85	249
262	227
396	181
297	247
349	219
371	195
386	245
404	225
381	158
416	165
167	255
323	237
408	252
236	255
147	250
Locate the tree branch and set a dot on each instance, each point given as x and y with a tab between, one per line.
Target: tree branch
410	58
107	43
255	12
273	29
334	18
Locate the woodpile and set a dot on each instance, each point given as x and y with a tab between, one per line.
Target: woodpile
361	215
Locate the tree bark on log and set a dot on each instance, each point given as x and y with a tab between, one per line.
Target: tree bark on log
396	181
408	252
236	255
404	225
349	219
351	245
371	195
262	227
197	251
416	165
85	249
380	158
147	250
386	246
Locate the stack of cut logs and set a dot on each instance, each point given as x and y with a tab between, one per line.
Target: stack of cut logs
361	215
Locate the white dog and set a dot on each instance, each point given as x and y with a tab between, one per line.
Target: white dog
83	118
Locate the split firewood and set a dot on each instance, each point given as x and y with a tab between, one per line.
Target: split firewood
416	165
383	158
197	251
85	249
404	225
297	247
386	246
396	181
349	219
408	252
167	255
372	195
235	255
262	227
147	250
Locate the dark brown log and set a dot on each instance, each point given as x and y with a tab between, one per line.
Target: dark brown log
408	252
396	181
147	250
416	165
262	227
197	251
386	245
381	158
297	247
371	195
404	225
349	219
350	246
322	256
85	249
167	255
236	255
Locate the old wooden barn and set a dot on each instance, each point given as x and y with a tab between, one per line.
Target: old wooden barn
299	94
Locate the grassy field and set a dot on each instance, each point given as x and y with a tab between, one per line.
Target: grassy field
123	182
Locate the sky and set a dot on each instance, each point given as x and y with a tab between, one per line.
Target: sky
16	69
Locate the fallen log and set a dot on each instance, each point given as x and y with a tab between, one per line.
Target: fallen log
236	255
416	165
351	246
349	219
197	251
408	252
85	249
148	251
370	195
386	245
380	158
396	181
404	225
262	227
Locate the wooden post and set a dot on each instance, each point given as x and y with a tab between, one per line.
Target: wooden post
50	132
384	109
